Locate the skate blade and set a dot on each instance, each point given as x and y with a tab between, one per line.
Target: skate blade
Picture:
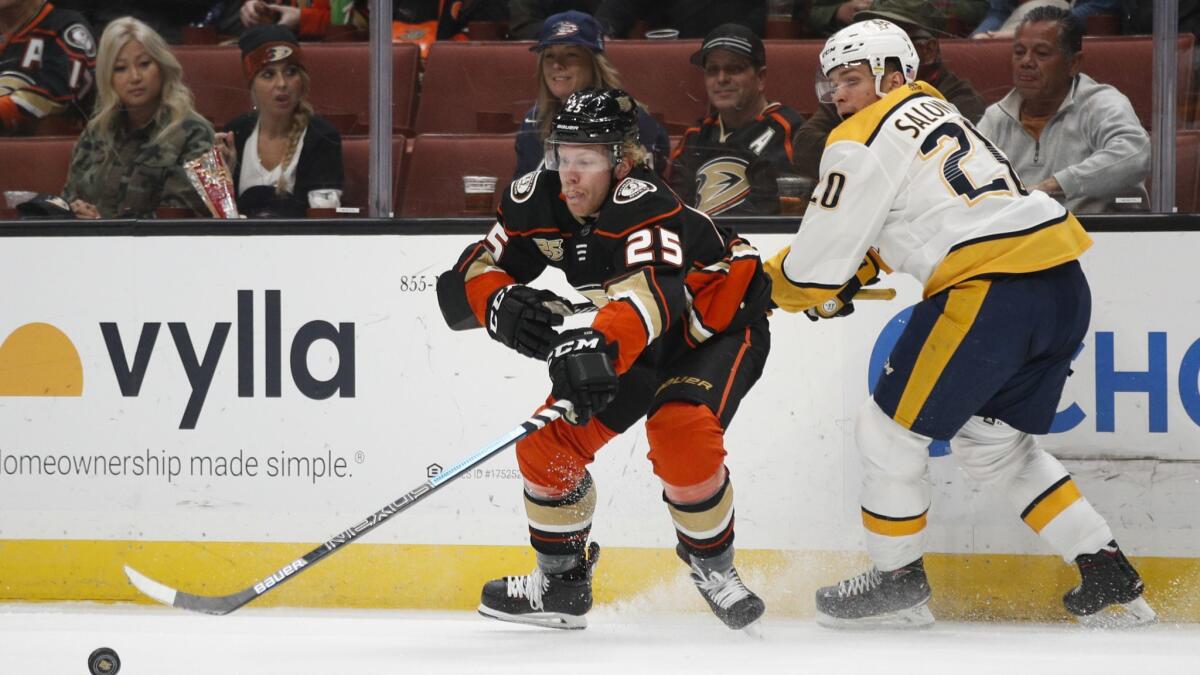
913	617
754	630
543	619
1129	615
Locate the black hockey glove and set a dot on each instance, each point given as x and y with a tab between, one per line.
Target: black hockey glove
522	318
842	304
582	373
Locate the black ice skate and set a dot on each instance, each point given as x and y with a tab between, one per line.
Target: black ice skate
1110	591
897	599
540	599
725	593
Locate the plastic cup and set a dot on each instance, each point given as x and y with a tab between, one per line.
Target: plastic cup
477	194
662	34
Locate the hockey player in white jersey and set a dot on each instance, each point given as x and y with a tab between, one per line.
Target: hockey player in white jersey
908	185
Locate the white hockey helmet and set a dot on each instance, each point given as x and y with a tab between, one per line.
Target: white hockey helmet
872	42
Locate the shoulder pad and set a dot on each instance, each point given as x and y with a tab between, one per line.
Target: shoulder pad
523	188
632	189
78	36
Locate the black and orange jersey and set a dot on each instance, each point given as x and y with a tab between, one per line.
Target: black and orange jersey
46	68
720	171
663	274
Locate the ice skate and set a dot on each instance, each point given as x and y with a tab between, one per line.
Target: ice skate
895	599
540	599
1109	594
725	594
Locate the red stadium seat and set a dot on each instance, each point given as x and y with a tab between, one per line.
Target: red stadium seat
356	152
465	78
791	70
35	164
1124	62
341	82
659	75
1187	171
214	74
434	186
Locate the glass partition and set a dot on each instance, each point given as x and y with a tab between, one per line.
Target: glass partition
467	113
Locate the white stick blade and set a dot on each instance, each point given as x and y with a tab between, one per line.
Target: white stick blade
150	587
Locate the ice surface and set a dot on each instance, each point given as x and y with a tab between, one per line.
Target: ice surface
56	639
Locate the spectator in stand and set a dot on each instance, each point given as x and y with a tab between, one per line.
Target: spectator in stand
571	58
284	157
922	21
730	162
827	17
1066	134
47	63
1004	16
129	160
692	18
527	16
310	19
166	18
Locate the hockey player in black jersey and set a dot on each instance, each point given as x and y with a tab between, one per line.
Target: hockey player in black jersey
730	162
680	337
47	63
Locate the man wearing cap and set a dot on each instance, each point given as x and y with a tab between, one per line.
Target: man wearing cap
730	162
923	22
571	58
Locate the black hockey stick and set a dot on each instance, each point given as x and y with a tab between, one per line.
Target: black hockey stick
225	604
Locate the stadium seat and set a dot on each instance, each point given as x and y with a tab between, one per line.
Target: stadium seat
356	157
791	71
659	75
1124	62
37	164
436	189
465	78
341	82
1187	171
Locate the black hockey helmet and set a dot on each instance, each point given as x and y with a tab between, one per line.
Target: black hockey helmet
593	116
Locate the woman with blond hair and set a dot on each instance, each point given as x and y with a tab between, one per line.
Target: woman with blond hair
285	158
571	58
129	160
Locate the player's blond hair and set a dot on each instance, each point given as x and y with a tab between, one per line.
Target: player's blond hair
175	101
635	152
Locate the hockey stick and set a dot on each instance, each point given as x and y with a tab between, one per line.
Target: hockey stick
875	294
225	604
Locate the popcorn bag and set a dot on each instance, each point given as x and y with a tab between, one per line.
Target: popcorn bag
211	178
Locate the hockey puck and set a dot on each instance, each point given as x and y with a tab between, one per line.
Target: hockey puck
104	661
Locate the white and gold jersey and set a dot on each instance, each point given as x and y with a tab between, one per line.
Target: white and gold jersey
913	178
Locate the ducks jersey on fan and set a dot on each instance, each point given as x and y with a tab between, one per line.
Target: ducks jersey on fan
46	68
654	266
734	172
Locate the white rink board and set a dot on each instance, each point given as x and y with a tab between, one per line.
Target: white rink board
424	394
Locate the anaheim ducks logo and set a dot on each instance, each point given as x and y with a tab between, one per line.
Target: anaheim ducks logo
522	188
721	184
551	248
632	189
278	53
564	28
80	38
